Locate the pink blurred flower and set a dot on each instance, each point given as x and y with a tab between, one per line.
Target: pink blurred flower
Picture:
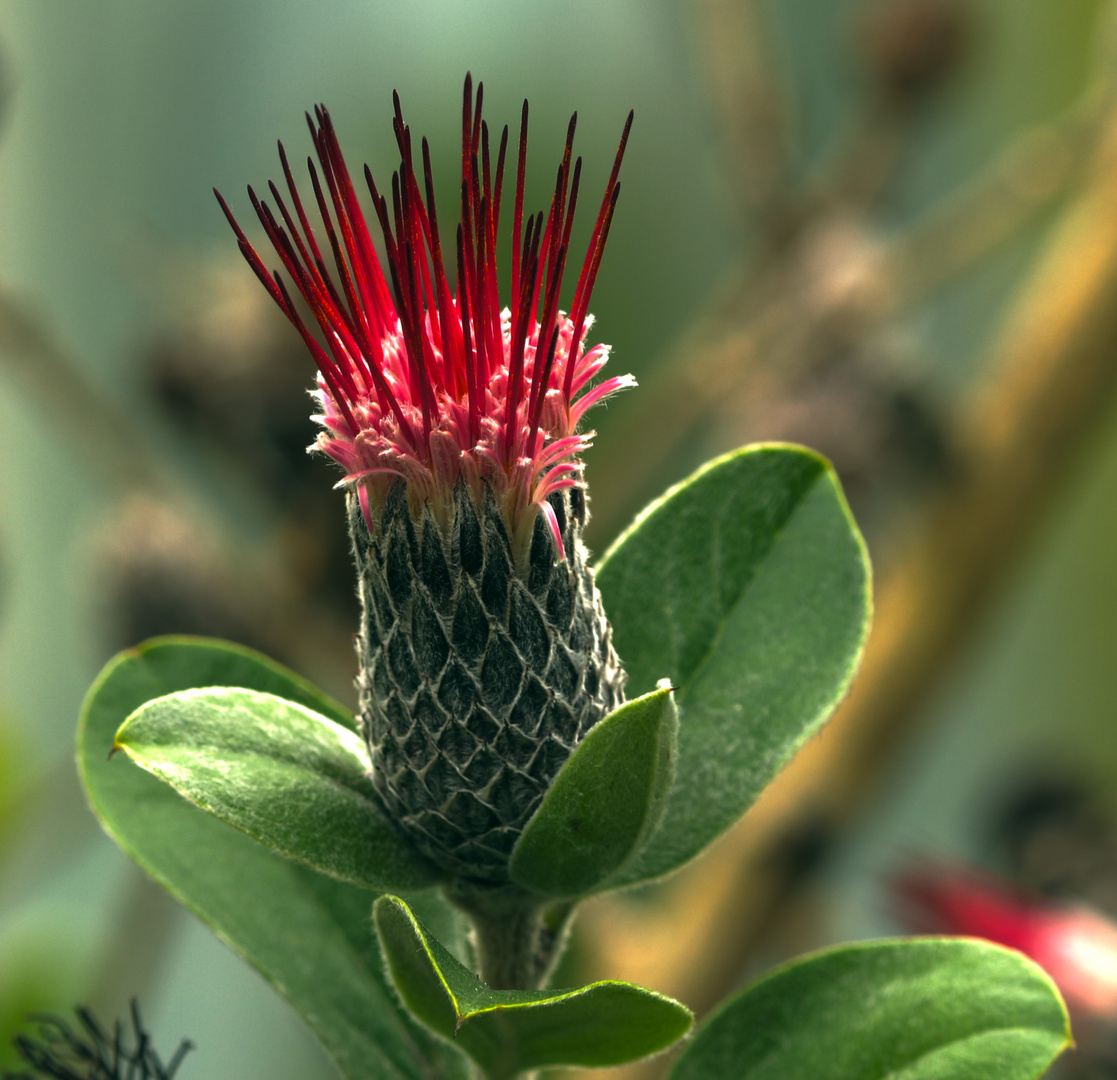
421	382
1075	945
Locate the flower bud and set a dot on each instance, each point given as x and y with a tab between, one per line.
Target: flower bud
485	655
478	675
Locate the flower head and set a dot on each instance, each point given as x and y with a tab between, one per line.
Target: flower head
485	653
425	383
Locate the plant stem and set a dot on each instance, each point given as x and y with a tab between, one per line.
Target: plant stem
514	943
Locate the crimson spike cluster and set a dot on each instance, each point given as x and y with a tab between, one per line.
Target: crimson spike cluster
428	384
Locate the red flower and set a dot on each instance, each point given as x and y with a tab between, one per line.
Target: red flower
1075	945
431	384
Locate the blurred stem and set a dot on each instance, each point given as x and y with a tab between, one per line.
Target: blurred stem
990	210
774	317
750	99
104	435
293	628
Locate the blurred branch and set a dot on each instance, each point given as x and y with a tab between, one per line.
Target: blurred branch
749	95
1021	182
826	278
102	433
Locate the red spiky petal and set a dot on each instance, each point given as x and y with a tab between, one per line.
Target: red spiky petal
407	366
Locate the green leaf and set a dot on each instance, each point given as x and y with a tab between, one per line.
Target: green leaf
280	772
606	800
512	1031
921	1009
748	585
307	934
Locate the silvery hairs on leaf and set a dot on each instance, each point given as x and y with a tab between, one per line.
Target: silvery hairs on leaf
478	679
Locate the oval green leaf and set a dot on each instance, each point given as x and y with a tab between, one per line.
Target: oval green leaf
507	1032
920	1009
280	772
748	585
308	935
605	802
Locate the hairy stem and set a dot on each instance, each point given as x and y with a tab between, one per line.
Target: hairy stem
516	935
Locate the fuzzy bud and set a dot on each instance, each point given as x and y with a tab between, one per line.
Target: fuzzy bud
479	672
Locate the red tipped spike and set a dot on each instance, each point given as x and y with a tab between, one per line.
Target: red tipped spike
580	306
499	174
408	368
518	210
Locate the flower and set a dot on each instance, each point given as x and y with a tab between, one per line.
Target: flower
426	384
1074	944
485	654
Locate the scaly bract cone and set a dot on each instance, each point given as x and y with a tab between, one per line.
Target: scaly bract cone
480	672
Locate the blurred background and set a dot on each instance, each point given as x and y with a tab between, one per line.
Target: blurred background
884	228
